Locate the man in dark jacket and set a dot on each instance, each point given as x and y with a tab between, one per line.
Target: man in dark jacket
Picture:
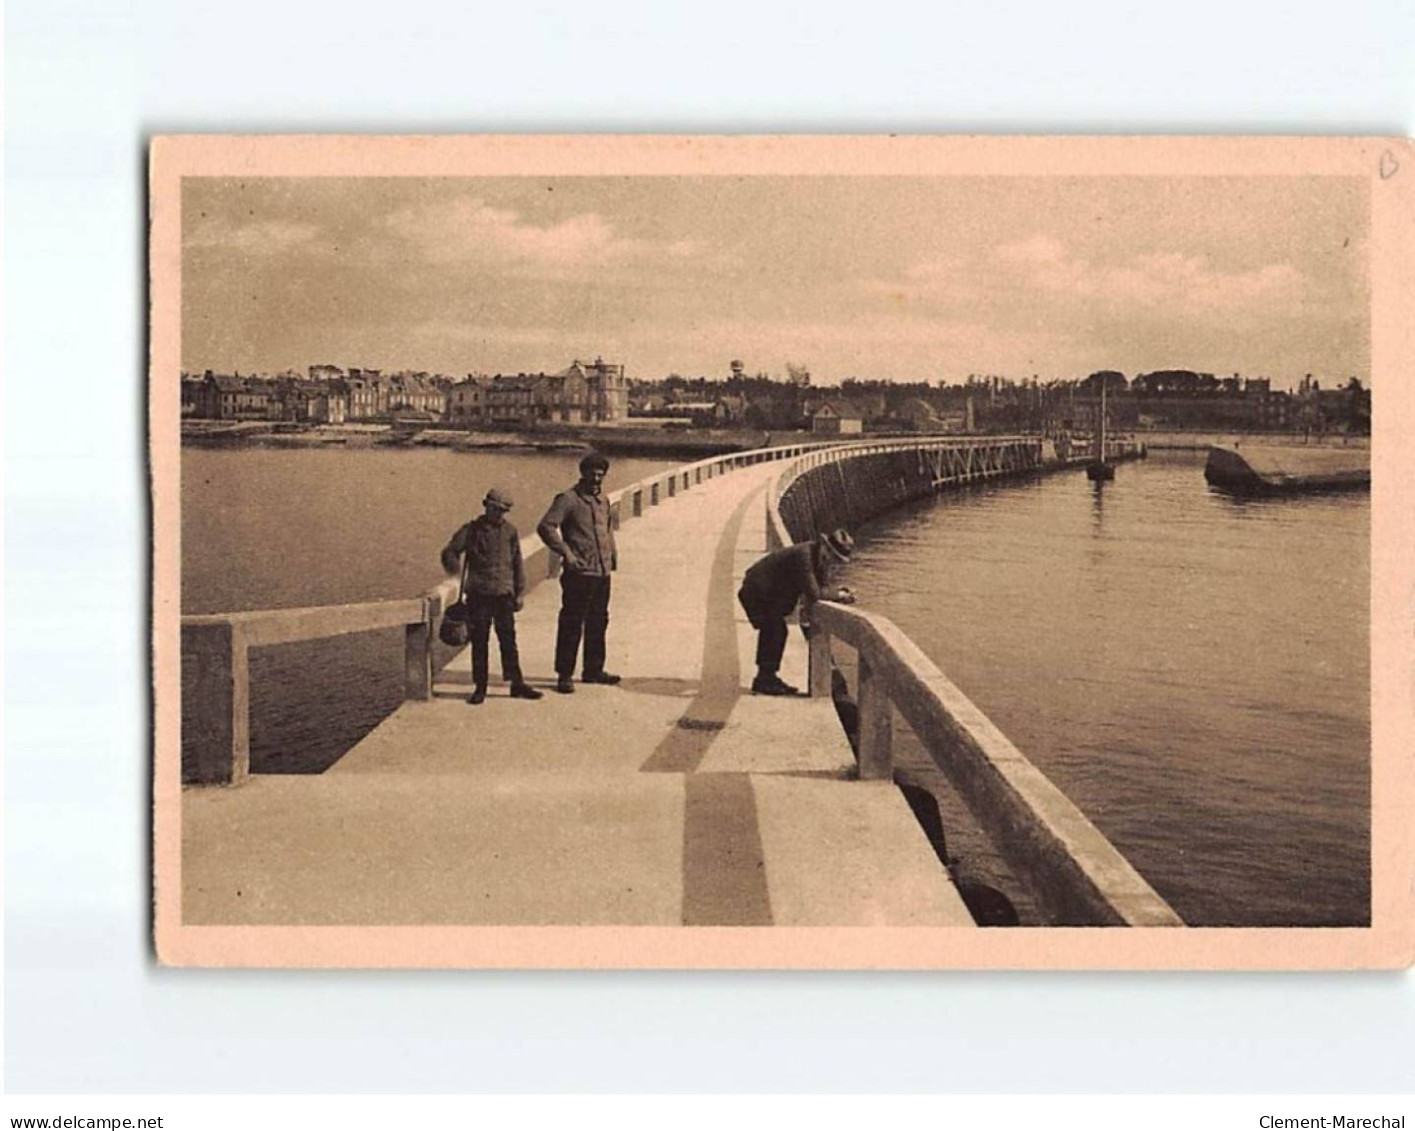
578	528
493	586
770	592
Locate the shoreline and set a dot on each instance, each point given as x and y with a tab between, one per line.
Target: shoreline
646	441
695	444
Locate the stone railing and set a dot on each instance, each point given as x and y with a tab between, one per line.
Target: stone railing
216	648
1078	876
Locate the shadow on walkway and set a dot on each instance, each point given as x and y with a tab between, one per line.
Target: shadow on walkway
724	868
684	747
669	688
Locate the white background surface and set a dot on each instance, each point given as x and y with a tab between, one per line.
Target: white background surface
88	81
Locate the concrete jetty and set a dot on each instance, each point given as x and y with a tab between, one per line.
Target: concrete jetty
673	799
1275	469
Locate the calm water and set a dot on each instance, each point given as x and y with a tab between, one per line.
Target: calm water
1191	670
270	528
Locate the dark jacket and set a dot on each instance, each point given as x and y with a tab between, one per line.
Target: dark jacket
774	585
581	522
492	554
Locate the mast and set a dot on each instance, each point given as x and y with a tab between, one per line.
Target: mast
1100	432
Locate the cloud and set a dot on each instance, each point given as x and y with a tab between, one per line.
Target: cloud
1038	302
940	279
260	237
870	343
441	330
473	231
1174	278
1192	279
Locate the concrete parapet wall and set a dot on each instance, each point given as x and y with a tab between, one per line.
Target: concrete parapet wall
849	485
1075	872
846	493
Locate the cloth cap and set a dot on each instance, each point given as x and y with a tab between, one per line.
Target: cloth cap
594	460
839	543
497	498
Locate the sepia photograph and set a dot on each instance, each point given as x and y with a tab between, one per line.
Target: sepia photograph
778	552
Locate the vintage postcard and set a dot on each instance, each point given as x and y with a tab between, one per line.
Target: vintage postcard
783	552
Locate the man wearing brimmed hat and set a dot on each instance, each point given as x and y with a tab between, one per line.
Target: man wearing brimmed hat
578	528
493	586
771	590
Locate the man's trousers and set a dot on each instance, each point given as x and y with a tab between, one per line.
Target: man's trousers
584	610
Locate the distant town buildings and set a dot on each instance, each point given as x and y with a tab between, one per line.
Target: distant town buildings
598	392
368	397
838	418
312	402
993	402
583	393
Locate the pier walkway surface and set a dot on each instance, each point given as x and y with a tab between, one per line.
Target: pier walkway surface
675	798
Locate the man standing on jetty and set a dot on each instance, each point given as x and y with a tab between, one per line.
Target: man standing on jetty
577	527
493	588
773	586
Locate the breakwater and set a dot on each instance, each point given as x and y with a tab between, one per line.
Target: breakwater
216	647
1273	470
797	782
847	492
879	476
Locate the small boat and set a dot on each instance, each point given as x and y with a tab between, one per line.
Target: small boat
1100	470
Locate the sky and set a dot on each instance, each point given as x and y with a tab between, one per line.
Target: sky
901	278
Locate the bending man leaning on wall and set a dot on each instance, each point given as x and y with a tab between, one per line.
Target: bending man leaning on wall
771	590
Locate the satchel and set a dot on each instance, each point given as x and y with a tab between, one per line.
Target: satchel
453	630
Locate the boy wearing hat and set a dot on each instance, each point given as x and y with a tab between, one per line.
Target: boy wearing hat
577	527
493	586
770	592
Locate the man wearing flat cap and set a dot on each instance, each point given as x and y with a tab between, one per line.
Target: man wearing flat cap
773	587
493	587
577	527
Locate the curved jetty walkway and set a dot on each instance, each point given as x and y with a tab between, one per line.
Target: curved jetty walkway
674	798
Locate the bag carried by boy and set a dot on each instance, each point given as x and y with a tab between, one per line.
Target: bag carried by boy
454	631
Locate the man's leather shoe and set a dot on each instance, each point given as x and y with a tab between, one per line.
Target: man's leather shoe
524	691
771	685
599	677
565	685
477	697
